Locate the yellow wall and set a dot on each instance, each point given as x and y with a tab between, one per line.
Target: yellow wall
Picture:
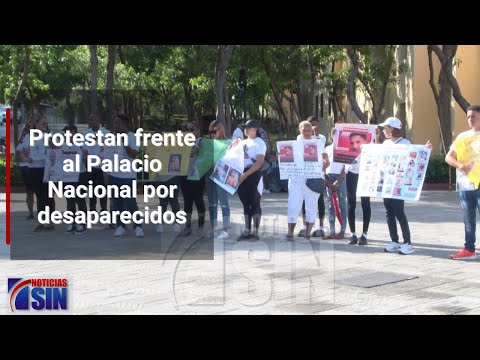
468	77
424	124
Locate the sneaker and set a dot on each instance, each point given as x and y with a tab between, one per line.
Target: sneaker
286	238
30	217
186	232
353	240
362	241
302	233
139	232
223	235
176	228
255	236
245	235
319	233
119	232
406	249
70	230
464	254
159	228
80	229
39	228
392	247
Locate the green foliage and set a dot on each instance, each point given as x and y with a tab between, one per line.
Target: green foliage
438	169
15	173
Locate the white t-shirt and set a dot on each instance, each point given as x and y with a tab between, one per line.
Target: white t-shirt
95	149
399	141
66	148
252	148
463	182
19	148
335	167
122	154
38	152
354	168
238	133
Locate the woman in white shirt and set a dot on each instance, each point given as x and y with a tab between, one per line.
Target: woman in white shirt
254	156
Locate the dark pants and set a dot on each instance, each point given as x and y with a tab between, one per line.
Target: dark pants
80	202
193	192
98	178
395	209
250	199
41	190
123	204
352	181
321	208
168	200
470	201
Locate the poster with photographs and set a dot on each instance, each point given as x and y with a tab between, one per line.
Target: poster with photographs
229	168
468	151
349	139
301	158
175	159
396	171
54	165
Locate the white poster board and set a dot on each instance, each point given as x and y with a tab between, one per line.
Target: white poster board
54	165
393	171
229	168
300	158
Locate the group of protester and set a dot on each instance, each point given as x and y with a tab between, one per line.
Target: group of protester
340	185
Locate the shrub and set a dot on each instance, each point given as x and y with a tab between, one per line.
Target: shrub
437	171
15	173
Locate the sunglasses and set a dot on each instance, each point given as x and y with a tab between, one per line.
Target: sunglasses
213	131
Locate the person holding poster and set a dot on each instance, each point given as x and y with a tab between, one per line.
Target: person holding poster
35	156
469	192
357	140
82	180
392	129
298	192
24	169
215	193
336	186
254	155
121	178
193	190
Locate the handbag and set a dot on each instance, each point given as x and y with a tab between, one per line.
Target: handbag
316	185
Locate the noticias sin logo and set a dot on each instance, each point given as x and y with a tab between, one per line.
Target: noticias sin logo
38	295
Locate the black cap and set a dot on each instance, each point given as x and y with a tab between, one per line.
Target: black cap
252	123
72	128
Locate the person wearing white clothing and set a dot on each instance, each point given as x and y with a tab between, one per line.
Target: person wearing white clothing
298	192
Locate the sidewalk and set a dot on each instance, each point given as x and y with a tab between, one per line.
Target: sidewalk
270	277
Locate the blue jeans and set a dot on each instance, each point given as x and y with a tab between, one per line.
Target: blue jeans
217	195
123	204
342	203
470	201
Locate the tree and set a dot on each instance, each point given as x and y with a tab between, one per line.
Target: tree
19	96
93	78
112	51
224	54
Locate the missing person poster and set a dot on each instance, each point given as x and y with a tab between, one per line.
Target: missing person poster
54	166
301	158
393	171
229	168
349	139
174	159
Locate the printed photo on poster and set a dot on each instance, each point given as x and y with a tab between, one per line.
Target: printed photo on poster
220	172
174	163
310	153
286	154
233	178
349	139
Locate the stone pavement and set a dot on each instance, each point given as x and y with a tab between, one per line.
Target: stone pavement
268	276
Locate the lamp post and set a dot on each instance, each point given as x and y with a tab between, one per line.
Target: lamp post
242	85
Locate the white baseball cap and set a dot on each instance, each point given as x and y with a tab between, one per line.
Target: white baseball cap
393	122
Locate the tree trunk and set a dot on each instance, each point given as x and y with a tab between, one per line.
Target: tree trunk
93	78
190	101
351	85
228	115
313	83
70	112
19	96
224	54
112	52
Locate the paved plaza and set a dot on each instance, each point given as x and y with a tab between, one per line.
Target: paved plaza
129	275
